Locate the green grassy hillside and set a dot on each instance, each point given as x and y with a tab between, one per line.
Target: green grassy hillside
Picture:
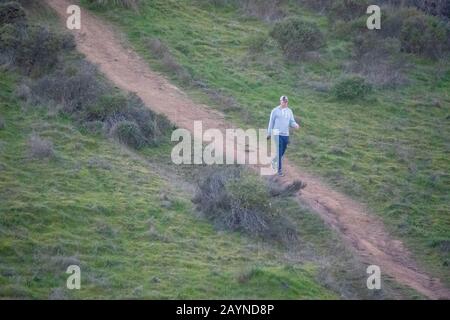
389	150
71	194
129	223
134	235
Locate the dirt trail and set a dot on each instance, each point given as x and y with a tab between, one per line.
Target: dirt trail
362	231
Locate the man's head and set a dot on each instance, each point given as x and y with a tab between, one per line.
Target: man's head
284	101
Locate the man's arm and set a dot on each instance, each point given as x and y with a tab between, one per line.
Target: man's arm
292	122
271	123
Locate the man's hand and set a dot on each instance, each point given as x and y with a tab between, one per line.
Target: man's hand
268	137
297	121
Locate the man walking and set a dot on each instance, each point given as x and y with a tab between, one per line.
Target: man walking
281	119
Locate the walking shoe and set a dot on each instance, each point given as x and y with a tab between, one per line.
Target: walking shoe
274	164
280	174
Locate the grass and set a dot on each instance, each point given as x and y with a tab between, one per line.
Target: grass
131	227
127	219
99	206
388	151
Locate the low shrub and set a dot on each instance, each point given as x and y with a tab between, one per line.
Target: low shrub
170	64
418	32
348	30
378	60
39	148
425	35
75	87
32	49
351	87
23	92
370	46
317	5
87	99
296	36
134	4
128	133
155	127
347	9
268	10
435	8
394	18
94	127
265	9
237	199
156	47
249	202
107	106
11	12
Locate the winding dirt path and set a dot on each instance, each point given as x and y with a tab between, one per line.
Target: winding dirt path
362	231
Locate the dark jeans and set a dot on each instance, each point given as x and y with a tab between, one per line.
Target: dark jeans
283	141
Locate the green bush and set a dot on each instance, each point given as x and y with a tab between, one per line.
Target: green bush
435	8
352	28
393	19
157	47
107	106
128	133
11	12
263	9
378	60
87	99
371	46
418	32
75	88
39	148
152	125
94	127
338	9
134	4
249	197
351	87
237	199
347	9
317	5
33	49
425	35
296	36
342	29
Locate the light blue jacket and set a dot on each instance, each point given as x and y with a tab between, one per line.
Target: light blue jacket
281	120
